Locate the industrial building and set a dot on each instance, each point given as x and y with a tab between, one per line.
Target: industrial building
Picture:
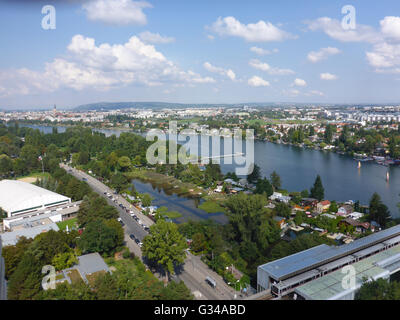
17	198
54	214
11	238
311	272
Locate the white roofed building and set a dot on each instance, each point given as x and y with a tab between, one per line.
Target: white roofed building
17	197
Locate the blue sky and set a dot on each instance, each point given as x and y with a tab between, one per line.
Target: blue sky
198	52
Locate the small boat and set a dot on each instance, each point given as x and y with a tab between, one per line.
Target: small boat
387	176
359	164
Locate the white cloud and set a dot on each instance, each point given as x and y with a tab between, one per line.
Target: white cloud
224	72
291	92
385	55
315	93
299	82
390	27
333	28
270	70
101	67
258	82
150	37
253	32
323	53
263	52
328	76
117	12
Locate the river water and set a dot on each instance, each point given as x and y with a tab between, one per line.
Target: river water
297	168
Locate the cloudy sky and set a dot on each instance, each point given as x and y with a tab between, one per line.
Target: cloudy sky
225	51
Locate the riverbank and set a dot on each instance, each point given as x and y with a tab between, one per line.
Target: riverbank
167	182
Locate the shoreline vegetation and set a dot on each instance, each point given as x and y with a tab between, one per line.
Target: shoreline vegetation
175	185
317	147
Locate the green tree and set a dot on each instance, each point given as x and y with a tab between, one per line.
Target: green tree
165	245
146	200
333	207
378	211
255	174
317	191
98	237
13	254
380	289
275	180
124	163
264	186
94	207
64	260
282	209
119	182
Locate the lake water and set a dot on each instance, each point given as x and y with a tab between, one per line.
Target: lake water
188	207
298	168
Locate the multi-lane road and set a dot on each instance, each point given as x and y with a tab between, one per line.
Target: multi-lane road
193	272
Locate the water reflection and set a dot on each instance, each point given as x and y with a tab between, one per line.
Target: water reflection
167	196
298	168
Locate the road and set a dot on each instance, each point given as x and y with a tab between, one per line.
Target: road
193	272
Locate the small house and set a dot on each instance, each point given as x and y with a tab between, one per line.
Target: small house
280	221
323	206
345	211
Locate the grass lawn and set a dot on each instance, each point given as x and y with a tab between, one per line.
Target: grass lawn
170	214
173	214
211	207
126	264
74	276
31	178
178	187
70	223
60	276
91	278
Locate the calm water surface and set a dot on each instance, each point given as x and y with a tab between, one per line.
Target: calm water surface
298	168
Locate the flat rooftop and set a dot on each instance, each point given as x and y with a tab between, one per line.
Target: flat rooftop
308	259
330	287
11	238
17	197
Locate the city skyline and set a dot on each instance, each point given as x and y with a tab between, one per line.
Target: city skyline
198	53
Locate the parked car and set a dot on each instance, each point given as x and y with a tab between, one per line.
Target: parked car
121	222
132	237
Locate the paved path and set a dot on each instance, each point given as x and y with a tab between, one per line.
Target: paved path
193	272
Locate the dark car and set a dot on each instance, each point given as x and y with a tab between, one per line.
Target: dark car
132	237
137	240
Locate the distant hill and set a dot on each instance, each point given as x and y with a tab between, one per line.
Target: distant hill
159	105
137	105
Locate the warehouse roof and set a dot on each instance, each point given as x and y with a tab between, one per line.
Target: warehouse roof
17	196
305	260
11	238
330	287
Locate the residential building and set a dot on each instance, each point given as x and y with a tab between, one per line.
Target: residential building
323	206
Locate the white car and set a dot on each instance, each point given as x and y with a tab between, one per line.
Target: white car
140	244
